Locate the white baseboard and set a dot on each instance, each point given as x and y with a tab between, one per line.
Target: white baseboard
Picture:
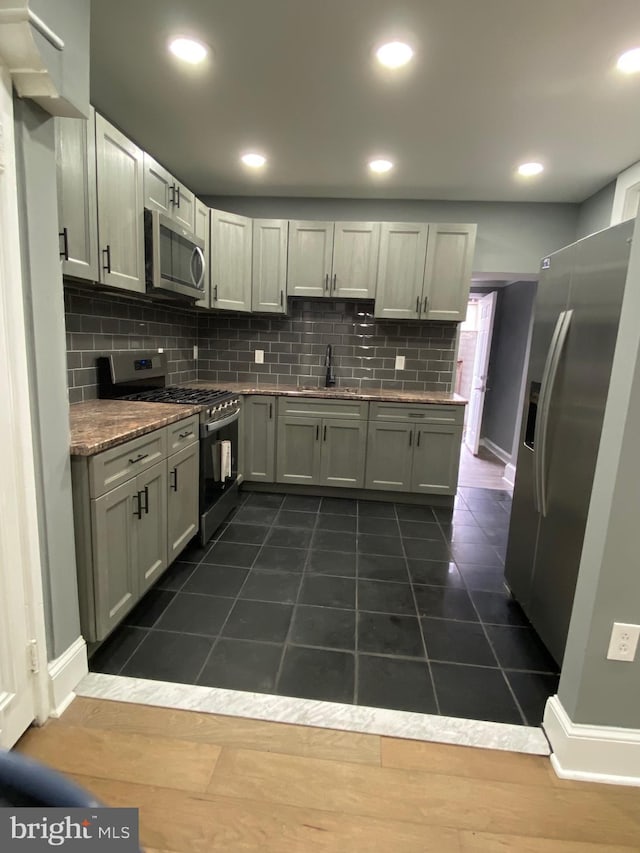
65	673
591	753
502	455
510	474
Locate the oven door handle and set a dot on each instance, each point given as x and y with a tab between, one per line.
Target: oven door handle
207	429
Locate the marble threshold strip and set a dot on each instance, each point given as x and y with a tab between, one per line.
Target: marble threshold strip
310	712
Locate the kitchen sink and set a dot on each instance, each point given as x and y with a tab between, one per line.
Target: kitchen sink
320	390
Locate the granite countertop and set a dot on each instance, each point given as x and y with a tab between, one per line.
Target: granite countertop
386	395
100	424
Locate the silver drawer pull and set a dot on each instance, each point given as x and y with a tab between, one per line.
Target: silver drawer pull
417	415
138	458
185	434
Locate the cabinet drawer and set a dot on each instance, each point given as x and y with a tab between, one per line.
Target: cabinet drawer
425	413
182	434
319	407
117	465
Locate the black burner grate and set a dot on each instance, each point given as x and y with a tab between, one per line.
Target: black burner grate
187	396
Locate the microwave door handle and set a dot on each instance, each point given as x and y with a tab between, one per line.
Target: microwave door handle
197	252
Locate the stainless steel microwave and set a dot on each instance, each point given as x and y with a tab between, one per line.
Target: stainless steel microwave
174	257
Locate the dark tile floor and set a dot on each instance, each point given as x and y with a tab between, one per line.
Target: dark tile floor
362	602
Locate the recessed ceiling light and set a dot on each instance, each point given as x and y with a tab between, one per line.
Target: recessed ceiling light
188	50
529	169
256	161
380	165
629	62
394	54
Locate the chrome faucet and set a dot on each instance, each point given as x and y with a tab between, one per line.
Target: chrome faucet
330	379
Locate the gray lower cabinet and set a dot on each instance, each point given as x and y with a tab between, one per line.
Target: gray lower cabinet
321	451
259	438
436	458
183	497
298	450
389	456
342	458
134	511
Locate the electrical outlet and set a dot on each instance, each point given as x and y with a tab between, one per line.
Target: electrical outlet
400	362
160	349
624	641
259	356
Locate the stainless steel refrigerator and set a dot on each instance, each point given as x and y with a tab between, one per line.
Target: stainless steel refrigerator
577	313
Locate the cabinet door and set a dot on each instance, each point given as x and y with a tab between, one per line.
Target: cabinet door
77	215
158	186
183	515
403	249
355	260
202	231
230	261
436	458
116	582
119	165
151	527
389	452
344	445
259	439
269	290
310	258
448	272
183	206
298	450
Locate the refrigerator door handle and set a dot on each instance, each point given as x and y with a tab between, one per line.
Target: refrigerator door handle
546	393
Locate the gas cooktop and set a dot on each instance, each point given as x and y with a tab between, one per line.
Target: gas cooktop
176	394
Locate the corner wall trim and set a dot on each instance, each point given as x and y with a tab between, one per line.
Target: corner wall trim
510	474
502	455
591	753
65	673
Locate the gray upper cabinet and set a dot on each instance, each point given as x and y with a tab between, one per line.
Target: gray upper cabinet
76	177
448	271
119	166
342	460
183	497
201	228
310	258
355	260
403	250
162	192
269	285
259	438
230	261
424	271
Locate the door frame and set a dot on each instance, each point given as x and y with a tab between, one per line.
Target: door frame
20	509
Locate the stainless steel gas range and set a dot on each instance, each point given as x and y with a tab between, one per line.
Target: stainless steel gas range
142	377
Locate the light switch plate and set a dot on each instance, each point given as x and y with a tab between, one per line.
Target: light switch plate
259	356
195	352
400	362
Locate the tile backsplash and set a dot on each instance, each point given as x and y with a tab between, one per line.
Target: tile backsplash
364	349
99	323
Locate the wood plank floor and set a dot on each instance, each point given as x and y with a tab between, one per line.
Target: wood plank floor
207	783
484	471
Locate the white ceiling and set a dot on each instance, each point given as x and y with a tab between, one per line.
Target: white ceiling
494	83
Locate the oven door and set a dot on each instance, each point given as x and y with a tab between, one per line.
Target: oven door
174	257
218	459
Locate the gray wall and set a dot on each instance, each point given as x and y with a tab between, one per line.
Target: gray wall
364	349
99	323
593	689
514	308
512	238
594	213
44	312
